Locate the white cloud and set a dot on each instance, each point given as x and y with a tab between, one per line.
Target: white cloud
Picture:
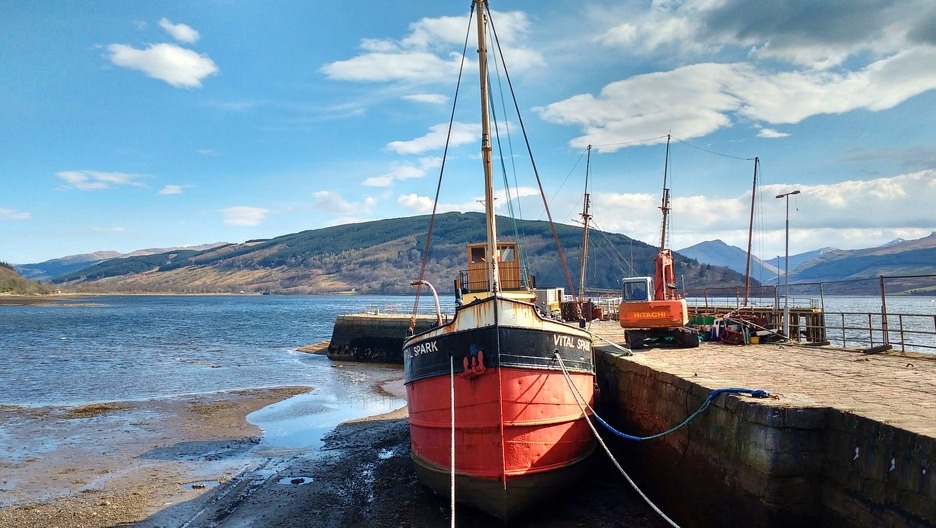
848	215
734	62
813	35
423	204
412	66
333	202
243	215
13	214
180	67
415	203
180	32
431	52
462	133
171	189
771	133
696	100
429	98
404	171
85	180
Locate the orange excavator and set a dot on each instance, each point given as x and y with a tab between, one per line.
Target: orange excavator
651	310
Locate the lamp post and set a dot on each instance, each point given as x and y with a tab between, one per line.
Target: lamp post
786	273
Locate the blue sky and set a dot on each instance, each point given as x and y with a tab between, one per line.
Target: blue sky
129	124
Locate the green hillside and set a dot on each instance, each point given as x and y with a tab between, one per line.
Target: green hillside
381	257
13	283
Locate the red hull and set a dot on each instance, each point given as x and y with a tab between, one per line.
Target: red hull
519	435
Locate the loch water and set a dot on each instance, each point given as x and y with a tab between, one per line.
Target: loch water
88	349
115	348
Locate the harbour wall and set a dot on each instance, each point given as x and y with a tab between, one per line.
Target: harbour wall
768	463
373	337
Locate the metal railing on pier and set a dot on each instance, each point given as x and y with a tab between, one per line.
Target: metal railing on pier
895	311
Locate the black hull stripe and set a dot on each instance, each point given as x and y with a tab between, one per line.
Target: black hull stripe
427	355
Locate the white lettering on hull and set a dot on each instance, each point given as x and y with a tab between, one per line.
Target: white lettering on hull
574	343
422	348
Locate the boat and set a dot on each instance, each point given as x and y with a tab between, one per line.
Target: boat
492	412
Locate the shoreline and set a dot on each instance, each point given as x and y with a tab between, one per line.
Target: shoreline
196	461
105	464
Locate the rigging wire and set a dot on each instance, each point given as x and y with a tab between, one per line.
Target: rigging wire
539	183
612	250
635	142
608	450
435	203
684	142
517	229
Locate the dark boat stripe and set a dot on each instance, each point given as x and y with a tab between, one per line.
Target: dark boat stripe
519	347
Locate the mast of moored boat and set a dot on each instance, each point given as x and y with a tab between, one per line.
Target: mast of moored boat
747	266
492	267
585	218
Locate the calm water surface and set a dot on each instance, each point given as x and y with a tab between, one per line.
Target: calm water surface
110	348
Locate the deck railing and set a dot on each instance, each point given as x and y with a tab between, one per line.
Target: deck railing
904	332
885	326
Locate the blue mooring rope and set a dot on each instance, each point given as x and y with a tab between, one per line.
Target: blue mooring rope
755	393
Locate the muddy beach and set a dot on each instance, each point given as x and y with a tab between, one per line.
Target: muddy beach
195	461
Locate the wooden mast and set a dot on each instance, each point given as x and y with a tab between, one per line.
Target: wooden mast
585	218
493	268
747	268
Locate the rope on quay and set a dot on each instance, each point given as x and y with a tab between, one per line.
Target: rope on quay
756	393
624	351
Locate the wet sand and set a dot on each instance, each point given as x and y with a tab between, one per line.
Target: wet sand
196	462
117	463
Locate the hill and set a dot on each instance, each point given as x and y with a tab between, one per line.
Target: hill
13	283
718	253
847	271
50	269
379	257
899	258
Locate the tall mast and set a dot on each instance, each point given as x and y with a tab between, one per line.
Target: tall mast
747	268
585	218
493	269
664	206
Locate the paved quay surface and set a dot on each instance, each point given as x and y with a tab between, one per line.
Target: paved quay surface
891	387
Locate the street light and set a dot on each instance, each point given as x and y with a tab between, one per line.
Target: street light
786	273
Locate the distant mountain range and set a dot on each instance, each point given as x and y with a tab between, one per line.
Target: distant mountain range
897	258
718	253
371	257
384	256
50	269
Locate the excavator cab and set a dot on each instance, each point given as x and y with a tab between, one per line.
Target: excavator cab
636	289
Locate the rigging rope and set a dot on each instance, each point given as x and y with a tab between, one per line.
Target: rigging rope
521	255
756	393
607	450
539	183
435	202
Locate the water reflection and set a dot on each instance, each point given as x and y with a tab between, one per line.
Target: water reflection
346	392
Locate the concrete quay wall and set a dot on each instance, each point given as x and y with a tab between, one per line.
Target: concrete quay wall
797	460
373	337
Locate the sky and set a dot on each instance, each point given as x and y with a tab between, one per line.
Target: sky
132	124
